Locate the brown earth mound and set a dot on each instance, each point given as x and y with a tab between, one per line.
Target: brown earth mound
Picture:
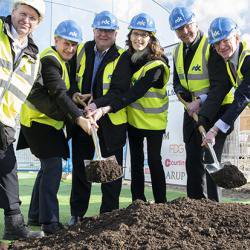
180	224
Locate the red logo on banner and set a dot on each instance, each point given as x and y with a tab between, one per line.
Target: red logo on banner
169	163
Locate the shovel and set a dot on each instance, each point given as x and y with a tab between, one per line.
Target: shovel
101	170
225	175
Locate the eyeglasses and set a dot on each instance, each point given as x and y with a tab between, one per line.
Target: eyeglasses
225	42
137	34
107	31
187	26
31	19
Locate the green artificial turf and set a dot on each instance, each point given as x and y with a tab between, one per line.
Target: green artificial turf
26	181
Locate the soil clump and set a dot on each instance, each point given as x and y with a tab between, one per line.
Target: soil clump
182	224
229	177
102	171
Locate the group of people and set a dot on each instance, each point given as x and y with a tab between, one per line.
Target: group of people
98	85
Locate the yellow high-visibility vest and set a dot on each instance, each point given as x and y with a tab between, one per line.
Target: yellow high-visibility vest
197	79
16	80
236	82
119	117
150	111
29	113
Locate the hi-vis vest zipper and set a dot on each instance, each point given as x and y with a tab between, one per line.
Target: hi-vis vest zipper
16	80
150	111
119	117
197	81
29	113
245	52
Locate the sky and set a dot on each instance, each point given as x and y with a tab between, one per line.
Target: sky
207	10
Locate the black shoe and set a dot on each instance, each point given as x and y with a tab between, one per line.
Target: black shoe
34	223
14	229
74	220
52	228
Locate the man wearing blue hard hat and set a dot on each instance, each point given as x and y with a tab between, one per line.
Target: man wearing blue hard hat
44	133
223	35
194	61
102	70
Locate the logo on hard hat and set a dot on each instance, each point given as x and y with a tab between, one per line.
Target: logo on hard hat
179	19
141	23
105	22
74	34
216	33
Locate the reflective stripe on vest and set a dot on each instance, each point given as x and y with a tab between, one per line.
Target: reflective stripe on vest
245	52
197	81
150	111
80	64
16	80
29	113
119	117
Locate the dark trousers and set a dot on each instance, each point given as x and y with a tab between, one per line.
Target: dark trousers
9	189
154	143
199	182
81	188
44	206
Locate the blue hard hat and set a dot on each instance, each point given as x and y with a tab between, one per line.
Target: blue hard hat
179	17
220	28
69	30
143	21
105	20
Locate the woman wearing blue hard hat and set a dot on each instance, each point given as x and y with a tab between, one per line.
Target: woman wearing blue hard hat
147	106
223	34
42	130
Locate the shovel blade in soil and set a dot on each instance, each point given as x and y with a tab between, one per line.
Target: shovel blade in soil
103	171
227	175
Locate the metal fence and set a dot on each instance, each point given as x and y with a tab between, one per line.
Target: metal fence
237	149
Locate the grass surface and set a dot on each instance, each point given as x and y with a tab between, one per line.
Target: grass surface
26	181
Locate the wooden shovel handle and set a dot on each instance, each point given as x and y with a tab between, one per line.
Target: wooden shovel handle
201	130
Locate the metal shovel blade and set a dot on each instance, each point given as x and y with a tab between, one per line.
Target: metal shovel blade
224	175
102	170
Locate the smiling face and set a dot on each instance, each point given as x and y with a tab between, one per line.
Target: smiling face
187	33
104	38
65	48
227	46
139	39
24	19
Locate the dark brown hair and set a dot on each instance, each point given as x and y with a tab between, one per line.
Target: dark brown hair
156	51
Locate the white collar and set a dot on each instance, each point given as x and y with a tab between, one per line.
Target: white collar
16	41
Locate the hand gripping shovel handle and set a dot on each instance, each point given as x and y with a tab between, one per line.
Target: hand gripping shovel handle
93	133
202	131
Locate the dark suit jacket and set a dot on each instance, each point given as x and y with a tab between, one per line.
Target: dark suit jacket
112	137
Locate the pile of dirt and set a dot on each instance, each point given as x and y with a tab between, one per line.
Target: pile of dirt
103	171
180	224
229	177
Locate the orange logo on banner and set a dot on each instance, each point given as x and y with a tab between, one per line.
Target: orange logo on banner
176	148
